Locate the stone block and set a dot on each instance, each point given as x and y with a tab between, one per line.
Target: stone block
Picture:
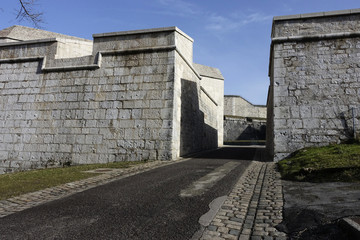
282	112
113	114
152	113
311	123
305	111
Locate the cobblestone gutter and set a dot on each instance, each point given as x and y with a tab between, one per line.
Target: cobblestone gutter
252	209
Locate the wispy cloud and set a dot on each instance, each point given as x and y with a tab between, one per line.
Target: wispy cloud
214	22
234	21
180	7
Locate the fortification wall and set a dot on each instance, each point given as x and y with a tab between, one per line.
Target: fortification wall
243	120
315	82
68	48
198	111
121	103
238	106
239	128
212	97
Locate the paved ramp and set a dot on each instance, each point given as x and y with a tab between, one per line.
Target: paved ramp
147	205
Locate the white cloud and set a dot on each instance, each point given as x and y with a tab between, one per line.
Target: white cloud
234	21
215	22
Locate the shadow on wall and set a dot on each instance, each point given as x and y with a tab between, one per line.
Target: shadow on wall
350	123
244	131
195	134
253	133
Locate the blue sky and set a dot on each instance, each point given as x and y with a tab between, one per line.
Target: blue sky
232	35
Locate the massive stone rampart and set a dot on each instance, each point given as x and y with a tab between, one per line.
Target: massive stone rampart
314	80
122	101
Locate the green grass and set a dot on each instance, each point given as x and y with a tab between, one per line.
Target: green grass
334	163
14	184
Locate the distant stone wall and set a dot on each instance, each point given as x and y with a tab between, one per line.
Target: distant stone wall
123	102
314	73
236	128
238	106
243	120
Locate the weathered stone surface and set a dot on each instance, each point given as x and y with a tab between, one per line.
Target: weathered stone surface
238	106
238	128
314	81
134	96
243	120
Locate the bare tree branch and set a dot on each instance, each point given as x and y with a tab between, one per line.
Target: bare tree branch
27	12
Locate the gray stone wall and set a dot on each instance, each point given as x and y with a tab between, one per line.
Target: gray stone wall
243	120
314	73
121	103
212	98
238	106
238	128
197	109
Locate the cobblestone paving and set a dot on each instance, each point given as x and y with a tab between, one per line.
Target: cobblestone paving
252	209
22	202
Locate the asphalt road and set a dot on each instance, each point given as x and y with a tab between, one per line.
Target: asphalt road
144	206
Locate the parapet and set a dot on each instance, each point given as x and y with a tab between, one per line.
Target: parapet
148	39
18	33
316	25
53	46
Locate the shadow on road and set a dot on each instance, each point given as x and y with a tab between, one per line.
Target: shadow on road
257	153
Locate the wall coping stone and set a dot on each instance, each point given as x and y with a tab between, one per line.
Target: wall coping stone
37	41
189	65
237	96
23	33
208	95
317	15
315	37
134	32
208	76
209	72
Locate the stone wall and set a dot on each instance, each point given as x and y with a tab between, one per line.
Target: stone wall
314	80
239	128
238	106
198	110
123	102
243	120
212	96
67	46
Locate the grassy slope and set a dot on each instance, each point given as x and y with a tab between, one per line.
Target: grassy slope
14	184
331	163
